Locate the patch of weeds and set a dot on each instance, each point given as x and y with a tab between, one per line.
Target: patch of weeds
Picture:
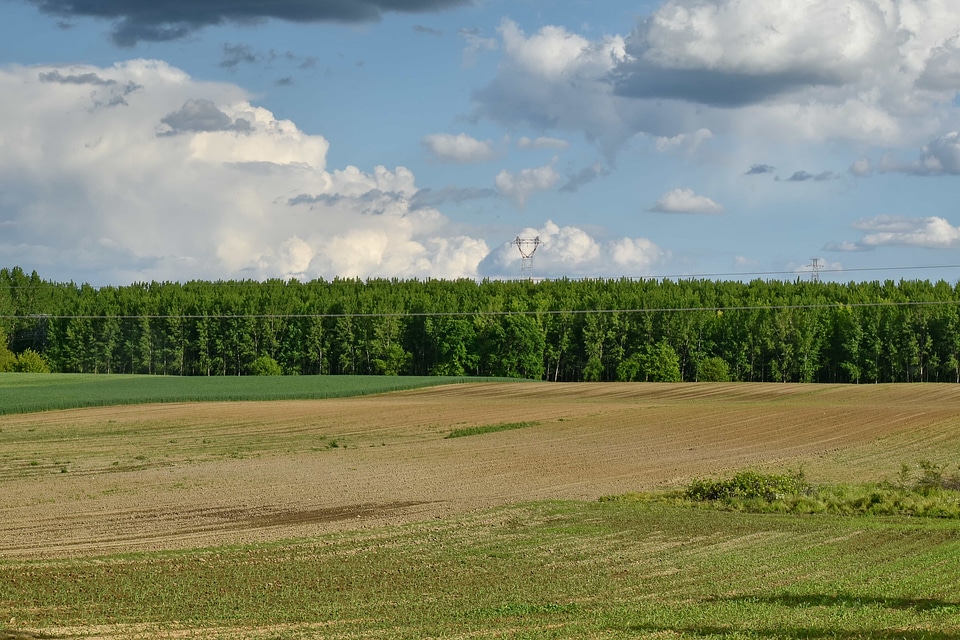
928	496
748	485
490	428
932	476
140	457
34	463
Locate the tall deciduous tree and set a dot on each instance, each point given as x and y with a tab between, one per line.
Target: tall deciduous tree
7	360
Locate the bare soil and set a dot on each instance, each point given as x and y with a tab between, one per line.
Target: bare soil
118	479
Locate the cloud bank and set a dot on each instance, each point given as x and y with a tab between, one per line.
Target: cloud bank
932	232
877	72
140	172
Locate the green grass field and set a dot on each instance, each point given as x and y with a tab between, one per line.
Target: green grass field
542	570
24	392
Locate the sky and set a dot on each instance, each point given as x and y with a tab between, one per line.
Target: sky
722	139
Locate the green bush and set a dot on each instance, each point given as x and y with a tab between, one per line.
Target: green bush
749	485
934	493
713	369
265	366
31	362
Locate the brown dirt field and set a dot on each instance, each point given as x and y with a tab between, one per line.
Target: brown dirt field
107	480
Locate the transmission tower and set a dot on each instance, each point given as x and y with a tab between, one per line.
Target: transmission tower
527	247
814	270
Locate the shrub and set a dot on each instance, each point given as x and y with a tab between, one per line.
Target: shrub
748	485
933	476
265	366
31	362
713	369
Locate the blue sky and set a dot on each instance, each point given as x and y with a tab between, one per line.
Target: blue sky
418	138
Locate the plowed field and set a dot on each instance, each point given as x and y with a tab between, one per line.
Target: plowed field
149	477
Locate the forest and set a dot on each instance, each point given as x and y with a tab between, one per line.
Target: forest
556	330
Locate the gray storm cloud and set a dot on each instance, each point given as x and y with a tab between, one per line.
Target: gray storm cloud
162	20
202	115
82	78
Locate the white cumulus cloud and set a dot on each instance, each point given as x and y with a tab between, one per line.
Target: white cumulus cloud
570	250
555	79
518	187
685	201
831	38
875	72
459	148
931	232
939	157
138	172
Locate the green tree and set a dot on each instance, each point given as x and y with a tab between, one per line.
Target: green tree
8	361
629	368
654	363
388	355
453	339
850	337
514	346
662	364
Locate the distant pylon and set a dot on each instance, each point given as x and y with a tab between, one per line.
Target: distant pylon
814	270
527	247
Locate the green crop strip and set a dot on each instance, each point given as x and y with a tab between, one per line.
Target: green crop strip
23	392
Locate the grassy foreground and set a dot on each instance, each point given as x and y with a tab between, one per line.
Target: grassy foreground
25	392
541	570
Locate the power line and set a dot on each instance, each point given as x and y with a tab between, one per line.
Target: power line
278	282
796	273
281	316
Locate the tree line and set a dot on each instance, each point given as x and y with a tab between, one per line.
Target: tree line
559	330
